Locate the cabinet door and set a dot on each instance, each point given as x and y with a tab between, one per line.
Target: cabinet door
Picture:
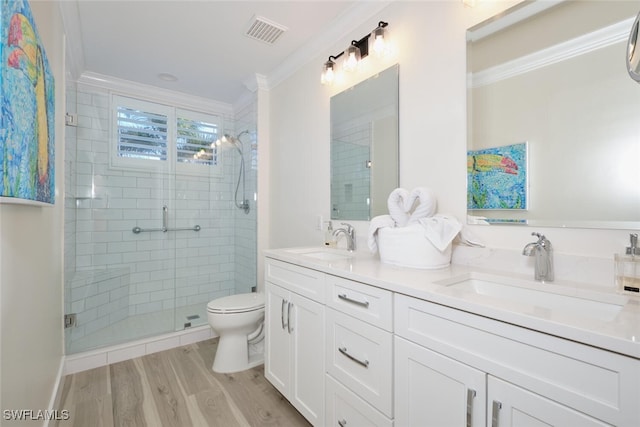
344	408
509	405
432	390
277	368
306	320
360	356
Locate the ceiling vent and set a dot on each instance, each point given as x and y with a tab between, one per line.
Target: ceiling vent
264	30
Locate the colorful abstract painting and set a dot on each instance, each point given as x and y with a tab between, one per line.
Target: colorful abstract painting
497	177
27	109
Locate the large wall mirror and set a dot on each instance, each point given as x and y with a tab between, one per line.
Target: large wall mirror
364	147
549	98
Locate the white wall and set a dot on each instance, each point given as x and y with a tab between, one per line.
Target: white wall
429	38
31	246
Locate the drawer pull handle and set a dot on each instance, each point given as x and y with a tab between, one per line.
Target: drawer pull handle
471	394
353	301
289	328
284	325
494	413
344	351
342	422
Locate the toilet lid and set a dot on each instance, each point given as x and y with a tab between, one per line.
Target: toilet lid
237	303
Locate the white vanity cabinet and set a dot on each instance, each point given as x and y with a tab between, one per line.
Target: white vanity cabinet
512	406
348	351
295	324
359	354
445	359
435	390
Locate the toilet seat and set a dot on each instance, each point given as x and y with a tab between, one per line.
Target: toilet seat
239	303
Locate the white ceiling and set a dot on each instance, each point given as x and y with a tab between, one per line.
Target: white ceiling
203	43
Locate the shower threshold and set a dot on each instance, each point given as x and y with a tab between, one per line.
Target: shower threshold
140	326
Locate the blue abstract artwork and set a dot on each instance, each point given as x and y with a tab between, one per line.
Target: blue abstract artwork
27	109
497	177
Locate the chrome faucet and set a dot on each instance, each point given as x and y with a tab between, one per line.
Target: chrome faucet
543	251
350	234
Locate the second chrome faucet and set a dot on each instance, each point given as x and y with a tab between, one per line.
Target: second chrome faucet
350	234
543	252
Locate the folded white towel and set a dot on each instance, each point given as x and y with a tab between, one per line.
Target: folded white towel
469	239
397	205
426	204
377	223
440	230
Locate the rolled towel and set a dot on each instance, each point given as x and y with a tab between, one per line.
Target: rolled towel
426	204
377	223
397	205
441	230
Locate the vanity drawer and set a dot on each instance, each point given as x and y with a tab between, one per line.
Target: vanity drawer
303	281
368	303
600	383
345	408
360	356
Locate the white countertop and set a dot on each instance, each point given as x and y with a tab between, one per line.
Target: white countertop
619	332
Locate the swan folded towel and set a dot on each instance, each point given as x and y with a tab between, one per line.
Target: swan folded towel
377	223
440	230
396	203
426	204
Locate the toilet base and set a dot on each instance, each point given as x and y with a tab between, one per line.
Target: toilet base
235	354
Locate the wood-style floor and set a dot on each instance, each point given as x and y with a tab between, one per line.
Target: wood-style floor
173	388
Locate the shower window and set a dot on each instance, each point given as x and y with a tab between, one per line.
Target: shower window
196	150
151	136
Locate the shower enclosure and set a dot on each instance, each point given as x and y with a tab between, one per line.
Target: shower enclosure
146	250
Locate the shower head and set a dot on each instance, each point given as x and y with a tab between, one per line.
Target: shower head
235	141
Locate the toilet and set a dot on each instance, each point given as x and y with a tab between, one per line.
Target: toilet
238	320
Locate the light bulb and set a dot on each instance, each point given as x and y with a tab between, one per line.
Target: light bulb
328	74
352	57
379	44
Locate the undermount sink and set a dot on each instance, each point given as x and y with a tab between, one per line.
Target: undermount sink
587	304
324	254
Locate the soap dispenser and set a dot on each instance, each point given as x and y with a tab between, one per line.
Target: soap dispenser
627	268
329	239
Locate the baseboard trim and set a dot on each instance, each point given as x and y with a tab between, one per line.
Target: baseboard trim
104	356
53	404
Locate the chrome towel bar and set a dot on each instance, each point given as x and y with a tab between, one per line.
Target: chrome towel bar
165	225
138	230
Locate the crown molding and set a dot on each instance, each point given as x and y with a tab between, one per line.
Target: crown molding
179	99
561	52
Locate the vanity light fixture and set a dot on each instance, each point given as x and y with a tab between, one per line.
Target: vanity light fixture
357	50
380	41
351	57
328	71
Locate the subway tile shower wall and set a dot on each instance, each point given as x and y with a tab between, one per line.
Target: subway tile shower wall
160	269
